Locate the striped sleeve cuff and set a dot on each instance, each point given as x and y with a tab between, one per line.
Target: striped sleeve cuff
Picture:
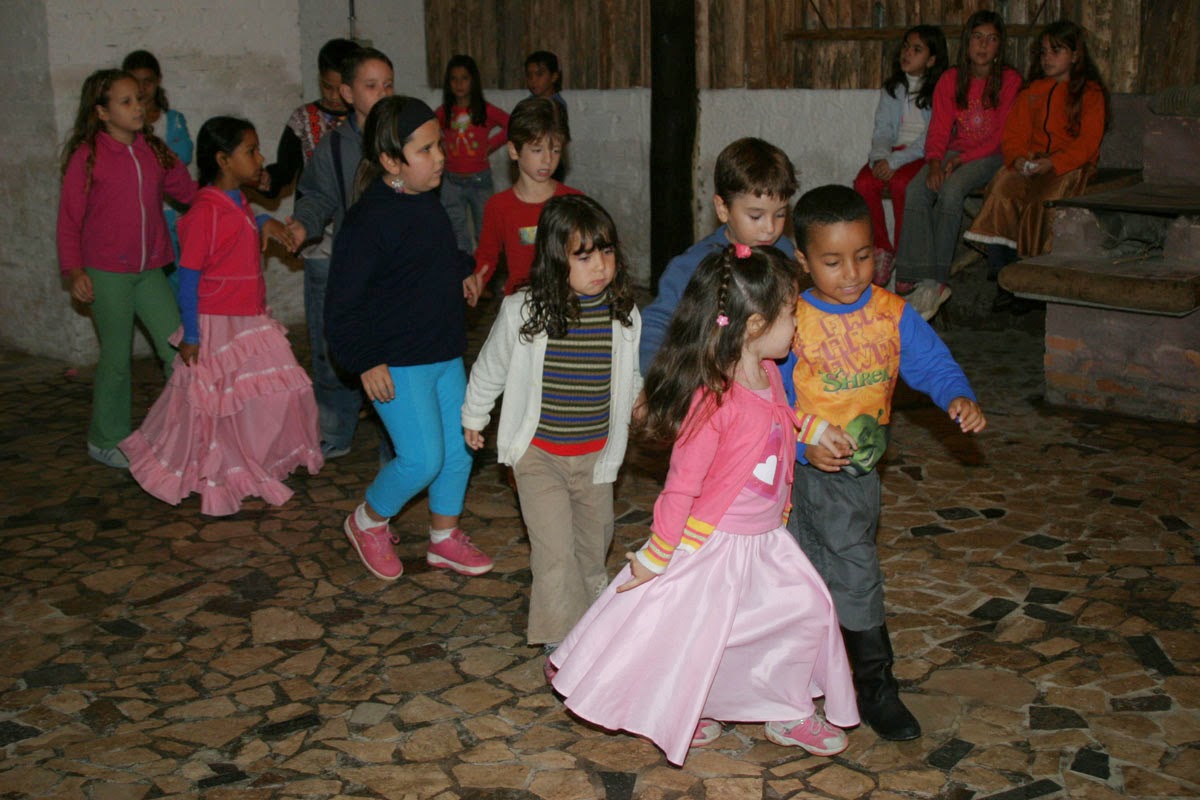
812	428
655	554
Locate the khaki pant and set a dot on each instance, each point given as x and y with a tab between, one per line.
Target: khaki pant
1014	208
570	523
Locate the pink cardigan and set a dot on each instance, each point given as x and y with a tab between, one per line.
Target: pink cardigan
116	224
711	464
972	132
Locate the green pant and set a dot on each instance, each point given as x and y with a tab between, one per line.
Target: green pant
118	298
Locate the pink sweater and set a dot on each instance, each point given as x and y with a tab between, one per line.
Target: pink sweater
116	224
711	462
972	132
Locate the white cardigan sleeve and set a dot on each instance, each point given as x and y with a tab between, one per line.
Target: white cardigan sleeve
490	370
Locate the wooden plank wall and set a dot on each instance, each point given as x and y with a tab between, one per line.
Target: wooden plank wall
600	44
1139	45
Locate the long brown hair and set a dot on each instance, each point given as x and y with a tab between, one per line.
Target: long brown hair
962	87
95	93
708	332
1065	33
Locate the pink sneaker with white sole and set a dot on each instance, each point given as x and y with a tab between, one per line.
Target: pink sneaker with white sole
457	553
813	734
376	547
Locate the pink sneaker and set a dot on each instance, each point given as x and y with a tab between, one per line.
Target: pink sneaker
813	734
707	732
457	553
375	547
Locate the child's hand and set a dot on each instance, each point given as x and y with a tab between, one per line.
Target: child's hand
80	284
640	574
189	352
474	439
1039	166
274	229
935	176
967	414
951	164
882	170
823	459
264	181
299	235
472	287
377	383
839	443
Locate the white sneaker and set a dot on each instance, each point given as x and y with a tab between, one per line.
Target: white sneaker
928	297
108	456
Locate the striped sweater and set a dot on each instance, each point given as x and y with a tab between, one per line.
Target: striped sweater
577	384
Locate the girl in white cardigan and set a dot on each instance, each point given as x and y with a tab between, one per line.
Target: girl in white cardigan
564	353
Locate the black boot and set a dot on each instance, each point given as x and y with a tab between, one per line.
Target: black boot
879	702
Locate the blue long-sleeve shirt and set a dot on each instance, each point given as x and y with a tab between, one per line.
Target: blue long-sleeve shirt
656	317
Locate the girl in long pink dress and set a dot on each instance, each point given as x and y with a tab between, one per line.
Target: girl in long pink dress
719	617
238	414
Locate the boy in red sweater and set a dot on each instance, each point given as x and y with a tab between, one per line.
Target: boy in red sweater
537	134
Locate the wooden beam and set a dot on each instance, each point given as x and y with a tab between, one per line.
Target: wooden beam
887	34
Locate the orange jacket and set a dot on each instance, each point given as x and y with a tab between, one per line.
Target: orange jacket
1037	124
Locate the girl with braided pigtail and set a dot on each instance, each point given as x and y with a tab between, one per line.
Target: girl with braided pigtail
742	627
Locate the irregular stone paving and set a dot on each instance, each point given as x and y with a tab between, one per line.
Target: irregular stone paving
1042	585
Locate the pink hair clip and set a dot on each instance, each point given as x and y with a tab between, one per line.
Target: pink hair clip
740	250
722	320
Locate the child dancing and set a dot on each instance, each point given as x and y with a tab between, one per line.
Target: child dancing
395	316
238	414
564	353
719	616
113	242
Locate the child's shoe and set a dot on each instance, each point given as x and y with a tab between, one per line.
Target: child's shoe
548	669
375	546
813	734
905	287
885	262
707	732
457	553
108	456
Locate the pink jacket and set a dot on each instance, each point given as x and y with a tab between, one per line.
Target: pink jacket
711	462
116	224
972	132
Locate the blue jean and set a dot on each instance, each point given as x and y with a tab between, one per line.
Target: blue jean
425	423
464	195
338	402
932	219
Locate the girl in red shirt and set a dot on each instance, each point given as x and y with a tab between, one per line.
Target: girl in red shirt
472	129
238	414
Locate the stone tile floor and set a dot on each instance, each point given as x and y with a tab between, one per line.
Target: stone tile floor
1042	582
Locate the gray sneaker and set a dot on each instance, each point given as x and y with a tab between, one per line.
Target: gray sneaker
108	456
928	297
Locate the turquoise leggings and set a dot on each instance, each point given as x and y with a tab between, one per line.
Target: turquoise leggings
425	423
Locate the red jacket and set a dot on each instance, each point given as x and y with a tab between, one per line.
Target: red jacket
1037	125
116	224
220	239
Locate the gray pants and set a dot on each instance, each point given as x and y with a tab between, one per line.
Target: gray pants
932	219
834	518
570	522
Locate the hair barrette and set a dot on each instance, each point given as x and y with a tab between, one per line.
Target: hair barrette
740	250
722	321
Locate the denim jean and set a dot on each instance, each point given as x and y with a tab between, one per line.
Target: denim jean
463	197
338	400
932	219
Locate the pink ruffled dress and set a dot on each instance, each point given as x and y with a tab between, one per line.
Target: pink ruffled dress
740	628
238	421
